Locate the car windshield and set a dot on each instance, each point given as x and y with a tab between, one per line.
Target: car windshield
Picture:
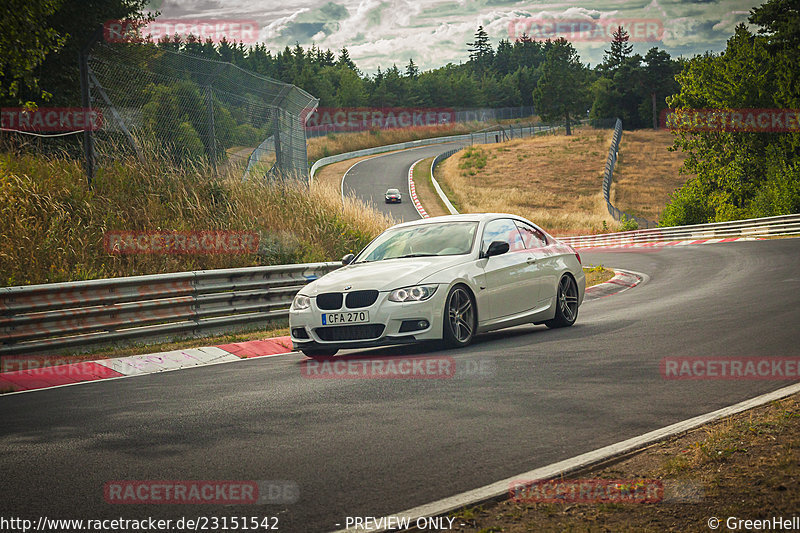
421	240
392	191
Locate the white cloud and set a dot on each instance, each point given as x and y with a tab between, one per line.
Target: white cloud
435	32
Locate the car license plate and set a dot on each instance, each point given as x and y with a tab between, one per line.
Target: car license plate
350	317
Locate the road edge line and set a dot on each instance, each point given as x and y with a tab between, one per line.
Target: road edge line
496	491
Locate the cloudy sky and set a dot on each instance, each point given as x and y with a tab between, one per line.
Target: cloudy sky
435	32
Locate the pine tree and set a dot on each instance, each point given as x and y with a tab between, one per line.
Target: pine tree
620	50
480	50
412	70
345	61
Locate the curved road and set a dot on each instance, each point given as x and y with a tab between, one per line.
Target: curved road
369	179
366	447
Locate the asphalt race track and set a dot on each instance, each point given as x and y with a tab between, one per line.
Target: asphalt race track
520	399
369	179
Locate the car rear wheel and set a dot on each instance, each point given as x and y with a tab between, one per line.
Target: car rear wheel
459	317
320	353
566	304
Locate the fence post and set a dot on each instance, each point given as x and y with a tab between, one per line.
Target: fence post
86	102
212	141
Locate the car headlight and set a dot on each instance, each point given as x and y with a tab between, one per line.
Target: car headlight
301	302
413	294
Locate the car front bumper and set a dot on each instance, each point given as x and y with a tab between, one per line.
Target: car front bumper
390	315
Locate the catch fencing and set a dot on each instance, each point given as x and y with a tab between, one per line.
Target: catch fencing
608	177
458	116
47	319
189	107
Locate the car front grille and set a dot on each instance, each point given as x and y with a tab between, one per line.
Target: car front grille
329	301
350	333
358	299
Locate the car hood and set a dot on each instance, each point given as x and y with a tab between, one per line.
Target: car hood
384	275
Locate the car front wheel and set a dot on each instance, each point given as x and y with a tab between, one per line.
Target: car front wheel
459	317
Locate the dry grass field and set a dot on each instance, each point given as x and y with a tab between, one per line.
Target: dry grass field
52	225
646	173
553	180
556	180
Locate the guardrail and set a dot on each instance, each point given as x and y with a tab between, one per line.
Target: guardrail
608	176
74	315
489	135
754	227
445	200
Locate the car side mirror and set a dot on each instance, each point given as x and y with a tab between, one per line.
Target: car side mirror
496	248
346	260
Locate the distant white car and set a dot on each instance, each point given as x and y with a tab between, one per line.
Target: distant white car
393	196
443	278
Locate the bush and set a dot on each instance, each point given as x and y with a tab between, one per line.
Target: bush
780	192
688	205
628	224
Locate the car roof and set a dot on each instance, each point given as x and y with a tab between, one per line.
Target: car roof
465	217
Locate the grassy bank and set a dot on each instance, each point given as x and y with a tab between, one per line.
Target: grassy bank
52	224
647	173
556	180
553	180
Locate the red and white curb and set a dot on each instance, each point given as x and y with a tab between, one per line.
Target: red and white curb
412	191
658	244
35	372
621	282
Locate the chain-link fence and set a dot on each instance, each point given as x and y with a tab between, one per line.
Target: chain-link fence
188	107
608	177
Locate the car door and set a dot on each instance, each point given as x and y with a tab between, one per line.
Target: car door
509	284
541	263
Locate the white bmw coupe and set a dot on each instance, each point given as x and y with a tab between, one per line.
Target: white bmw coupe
444	278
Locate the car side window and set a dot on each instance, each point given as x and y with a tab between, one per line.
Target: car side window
502	230
531	237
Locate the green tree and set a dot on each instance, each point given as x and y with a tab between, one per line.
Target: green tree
24	44
480	51
738	174
58	36
620	50
561	92
412	70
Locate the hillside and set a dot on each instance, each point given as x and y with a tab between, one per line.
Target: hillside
556	180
